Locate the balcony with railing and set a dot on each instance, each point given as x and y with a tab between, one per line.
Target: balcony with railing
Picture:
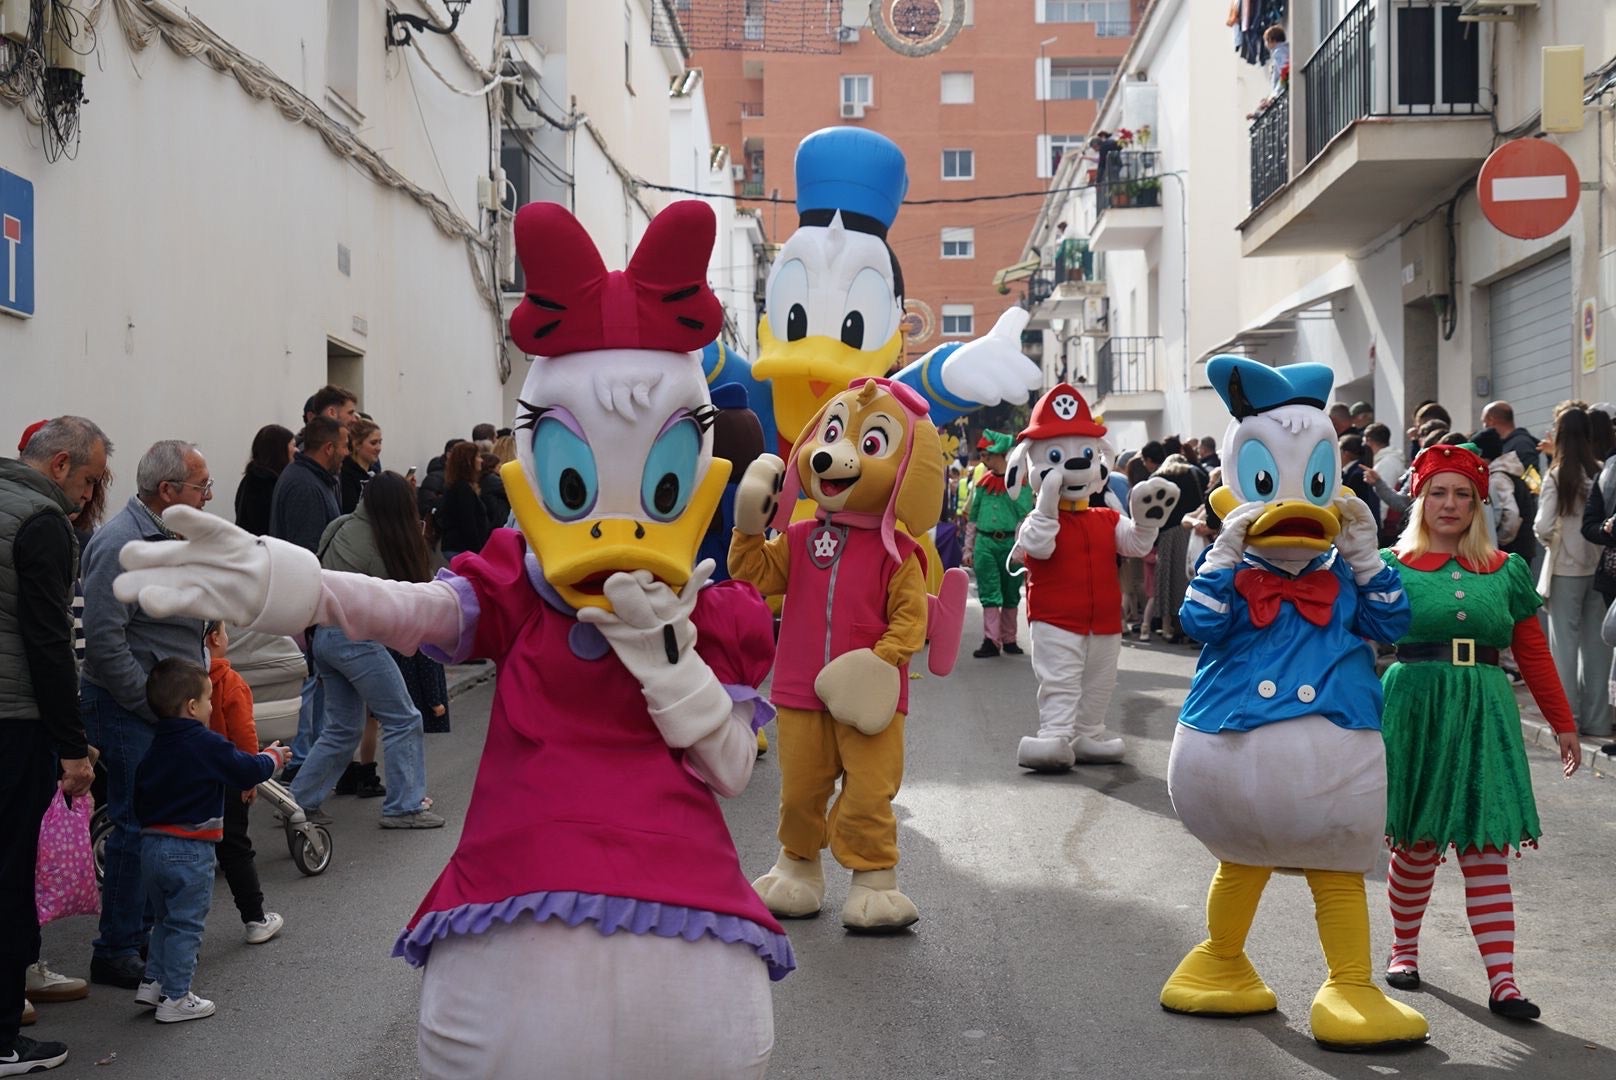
1270	148
1060	288
1127	378
751	110
1384	116
1127	201
752	189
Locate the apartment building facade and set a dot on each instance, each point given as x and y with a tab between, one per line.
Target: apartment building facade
993	112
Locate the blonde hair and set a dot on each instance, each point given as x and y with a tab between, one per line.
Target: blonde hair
1475	546
505	448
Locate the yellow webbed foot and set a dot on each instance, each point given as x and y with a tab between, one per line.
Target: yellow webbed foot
1352	1016
1211	985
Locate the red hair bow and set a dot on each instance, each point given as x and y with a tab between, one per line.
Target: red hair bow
574	304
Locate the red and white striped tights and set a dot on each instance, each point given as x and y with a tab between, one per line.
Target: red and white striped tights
1488	902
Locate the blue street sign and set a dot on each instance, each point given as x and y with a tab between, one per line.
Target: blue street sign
16	245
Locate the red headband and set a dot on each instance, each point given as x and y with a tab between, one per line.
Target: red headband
1454	459
28	433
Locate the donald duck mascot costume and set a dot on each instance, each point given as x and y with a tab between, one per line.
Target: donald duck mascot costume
593	920
1277	762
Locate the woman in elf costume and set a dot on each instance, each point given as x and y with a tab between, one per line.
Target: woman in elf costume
994	518
1455	765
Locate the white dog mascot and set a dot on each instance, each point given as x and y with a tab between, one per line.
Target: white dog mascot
1074	601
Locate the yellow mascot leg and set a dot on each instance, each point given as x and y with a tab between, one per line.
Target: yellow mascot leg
1216	978
794	888
1349	1011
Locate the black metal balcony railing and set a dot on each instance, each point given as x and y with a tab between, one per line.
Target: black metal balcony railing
751	110
752	188
1127	178
1422	61
1271	148
1127	365
1114	28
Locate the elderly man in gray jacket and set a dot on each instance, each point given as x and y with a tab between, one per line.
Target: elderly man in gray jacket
121	646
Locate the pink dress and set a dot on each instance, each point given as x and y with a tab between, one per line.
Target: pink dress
580	811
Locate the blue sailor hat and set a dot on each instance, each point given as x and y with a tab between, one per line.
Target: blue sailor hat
852	170
1248	387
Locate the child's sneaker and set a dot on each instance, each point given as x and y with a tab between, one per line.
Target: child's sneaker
150	994
189	1007
266	928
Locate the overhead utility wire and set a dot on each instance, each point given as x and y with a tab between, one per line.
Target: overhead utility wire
907	202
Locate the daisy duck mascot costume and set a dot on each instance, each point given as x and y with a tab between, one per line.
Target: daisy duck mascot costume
1069	545
594	919
856	610
1277	761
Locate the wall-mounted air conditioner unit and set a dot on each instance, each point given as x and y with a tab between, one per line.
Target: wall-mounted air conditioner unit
737	172
1096	315
853	110
847	35
517	114
1493	10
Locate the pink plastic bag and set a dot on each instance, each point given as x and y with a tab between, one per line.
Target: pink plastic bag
64	875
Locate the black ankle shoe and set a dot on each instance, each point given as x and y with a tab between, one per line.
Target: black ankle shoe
124	972
985	650
1012	649
348	784
1403	980
1514	1008
369	784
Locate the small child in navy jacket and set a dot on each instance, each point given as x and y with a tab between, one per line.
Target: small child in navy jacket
180	788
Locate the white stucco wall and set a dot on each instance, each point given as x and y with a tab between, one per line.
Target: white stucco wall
186	268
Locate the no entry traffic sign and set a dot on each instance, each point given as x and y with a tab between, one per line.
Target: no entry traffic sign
1529	188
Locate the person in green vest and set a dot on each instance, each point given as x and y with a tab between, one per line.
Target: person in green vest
994	517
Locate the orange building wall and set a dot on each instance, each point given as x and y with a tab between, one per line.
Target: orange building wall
802	93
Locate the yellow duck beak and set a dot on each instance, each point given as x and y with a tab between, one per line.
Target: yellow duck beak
1287	523
578	556
807	373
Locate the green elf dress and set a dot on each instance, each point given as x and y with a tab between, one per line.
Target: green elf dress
995	517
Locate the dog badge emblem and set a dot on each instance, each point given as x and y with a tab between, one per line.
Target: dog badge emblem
1065	406
825	545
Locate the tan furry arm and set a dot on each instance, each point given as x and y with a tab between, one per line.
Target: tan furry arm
765	564
906	614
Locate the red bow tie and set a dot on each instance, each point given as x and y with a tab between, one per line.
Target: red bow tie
1312	595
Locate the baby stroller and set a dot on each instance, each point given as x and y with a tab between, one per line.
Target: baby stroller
308	843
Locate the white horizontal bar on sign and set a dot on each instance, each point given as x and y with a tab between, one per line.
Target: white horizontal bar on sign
1527	188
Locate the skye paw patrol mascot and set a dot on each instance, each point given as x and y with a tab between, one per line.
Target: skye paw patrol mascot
856	611
595	872
835	302
1070	544
1278	762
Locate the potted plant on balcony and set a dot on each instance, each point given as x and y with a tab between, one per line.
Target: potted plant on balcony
1147	192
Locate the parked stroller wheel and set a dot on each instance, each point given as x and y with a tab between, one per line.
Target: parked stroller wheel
101	827
312	850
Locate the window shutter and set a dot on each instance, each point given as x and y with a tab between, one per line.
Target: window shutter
1044	171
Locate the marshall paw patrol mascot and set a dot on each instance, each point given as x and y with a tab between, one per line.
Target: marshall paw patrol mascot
1278	762
1074	599
594	919
855	612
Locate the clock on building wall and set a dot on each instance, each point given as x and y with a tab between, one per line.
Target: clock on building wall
919	323
916	27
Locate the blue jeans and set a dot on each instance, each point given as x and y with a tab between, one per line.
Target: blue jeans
309	717
357	674
123	739
179	883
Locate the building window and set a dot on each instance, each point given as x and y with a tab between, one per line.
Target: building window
959	165
752	21
1076	82
516	17
1110	17
959	88
858	94
959	320
628	47
959	243
1052	148
342	51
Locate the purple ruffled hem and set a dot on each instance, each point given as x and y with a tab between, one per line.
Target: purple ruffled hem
470	611
762	709
609	914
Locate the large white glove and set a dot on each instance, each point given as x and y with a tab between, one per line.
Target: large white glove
1048	500
1151	502
649	629
1359	539
1229	550
758	495
993	369
221	572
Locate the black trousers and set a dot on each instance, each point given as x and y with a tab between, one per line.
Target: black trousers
236	859
28	774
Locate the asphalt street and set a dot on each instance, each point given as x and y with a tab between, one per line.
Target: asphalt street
1052	908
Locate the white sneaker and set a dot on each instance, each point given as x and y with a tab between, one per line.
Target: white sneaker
189	1007
43	984
259	932
150	994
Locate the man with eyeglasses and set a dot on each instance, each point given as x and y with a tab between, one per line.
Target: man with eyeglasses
122	644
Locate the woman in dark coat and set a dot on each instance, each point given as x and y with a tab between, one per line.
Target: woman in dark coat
271	452
462	518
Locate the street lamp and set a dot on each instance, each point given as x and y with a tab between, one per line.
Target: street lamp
1043	75
399	24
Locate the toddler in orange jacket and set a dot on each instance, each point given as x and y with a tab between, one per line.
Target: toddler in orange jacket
233	718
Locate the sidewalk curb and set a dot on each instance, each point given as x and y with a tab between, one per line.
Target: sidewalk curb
464	677
1537	732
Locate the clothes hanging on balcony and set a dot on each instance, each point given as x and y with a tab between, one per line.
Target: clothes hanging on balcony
1256	16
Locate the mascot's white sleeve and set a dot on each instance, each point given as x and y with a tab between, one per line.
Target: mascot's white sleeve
402	615
1133	539
1036	535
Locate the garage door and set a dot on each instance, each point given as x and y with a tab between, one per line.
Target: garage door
1532	331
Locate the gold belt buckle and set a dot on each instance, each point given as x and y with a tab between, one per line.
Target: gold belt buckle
1464	652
